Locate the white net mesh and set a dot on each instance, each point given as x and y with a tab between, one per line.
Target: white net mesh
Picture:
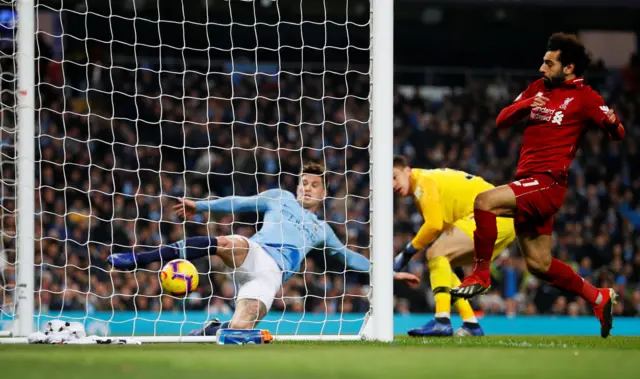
7	167
143	102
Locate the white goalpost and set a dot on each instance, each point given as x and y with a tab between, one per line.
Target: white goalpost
133	104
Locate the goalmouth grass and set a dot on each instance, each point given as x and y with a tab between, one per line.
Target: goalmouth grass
487	357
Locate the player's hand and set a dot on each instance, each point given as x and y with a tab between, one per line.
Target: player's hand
539	101
403	258
408	278
185	208
611	118
613	126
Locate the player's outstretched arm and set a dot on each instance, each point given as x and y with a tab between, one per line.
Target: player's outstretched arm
231	204
431	206
358	262
354	261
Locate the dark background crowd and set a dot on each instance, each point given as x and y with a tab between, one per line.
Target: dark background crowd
118	140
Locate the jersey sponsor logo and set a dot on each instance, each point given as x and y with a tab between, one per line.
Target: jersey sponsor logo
541	114
566	103
557	118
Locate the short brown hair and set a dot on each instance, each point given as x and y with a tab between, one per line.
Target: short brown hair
313	168
571	51
400	162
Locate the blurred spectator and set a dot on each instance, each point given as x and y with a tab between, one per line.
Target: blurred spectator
110	164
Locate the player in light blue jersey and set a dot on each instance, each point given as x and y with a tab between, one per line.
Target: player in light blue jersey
261	263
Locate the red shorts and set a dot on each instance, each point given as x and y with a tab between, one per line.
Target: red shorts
538	198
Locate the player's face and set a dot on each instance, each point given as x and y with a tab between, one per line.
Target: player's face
311	190
402	180
552	70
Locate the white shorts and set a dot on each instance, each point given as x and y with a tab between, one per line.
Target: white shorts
259	277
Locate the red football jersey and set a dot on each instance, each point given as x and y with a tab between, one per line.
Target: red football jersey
554	131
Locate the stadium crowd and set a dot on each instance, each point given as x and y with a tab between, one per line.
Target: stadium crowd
116	147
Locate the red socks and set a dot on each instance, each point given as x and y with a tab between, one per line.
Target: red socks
484	240
561	275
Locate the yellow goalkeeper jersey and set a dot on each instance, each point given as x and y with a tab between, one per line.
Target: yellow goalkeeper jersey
443	196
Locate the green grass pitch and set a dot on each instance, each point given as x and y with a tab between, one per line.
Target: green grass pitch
486	358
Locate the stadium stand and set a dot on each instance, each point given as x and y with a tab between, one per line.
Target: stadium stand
597	231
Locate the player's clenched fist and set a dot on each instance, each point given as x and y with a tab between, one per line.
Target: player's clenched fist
613	126
185	208
612	118
539	101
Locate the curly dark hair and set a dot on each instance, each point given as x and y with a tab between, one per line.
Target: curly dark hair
571	51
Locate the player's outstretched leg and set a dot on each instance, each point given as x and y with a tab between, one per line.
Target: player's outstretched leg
470	325
257	277
247	315
537	252
452	244
190	248
210	328
440	276
500	201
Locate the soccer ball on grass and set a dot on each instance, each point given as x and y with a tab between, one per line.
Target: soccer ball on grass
179	277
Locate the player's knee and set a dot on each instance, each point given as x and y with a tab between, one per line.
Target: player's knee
483	202
231	242
538	264
434	252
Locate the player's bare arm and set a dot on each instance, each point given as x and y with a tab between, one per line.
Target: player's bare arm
185	208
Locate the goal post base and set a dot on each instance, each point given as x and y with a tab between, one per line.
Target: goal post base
212	339
366	334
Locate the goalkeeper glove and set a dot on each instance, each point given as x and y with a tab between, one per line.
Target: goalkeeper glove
403	258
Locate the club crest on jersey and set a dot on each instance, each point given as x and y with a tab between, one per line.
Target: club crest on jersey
566	103
418	192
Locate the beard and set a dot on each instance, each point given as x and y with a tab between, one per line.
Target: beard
553	81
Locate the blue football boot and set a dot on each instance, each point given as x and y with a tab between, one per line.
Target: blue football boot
433	328
209	329
122	261
466	331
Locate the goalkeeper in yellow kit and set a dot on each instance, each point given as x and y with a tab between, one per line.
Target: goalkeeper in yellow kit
445	199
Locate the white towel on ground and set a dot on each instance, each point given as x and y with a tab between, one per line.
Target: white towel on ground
61	332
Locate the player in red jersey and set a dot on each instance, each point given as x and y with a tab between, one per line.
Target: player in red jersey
559	108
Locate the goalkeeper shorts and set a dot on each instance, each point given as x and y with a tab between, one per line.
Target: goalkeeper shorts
259	277
506	231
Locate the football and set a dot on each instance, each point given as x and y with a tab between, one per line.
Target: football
179	277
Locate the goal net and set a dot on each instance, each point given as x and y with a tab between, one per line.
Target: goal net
139	103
